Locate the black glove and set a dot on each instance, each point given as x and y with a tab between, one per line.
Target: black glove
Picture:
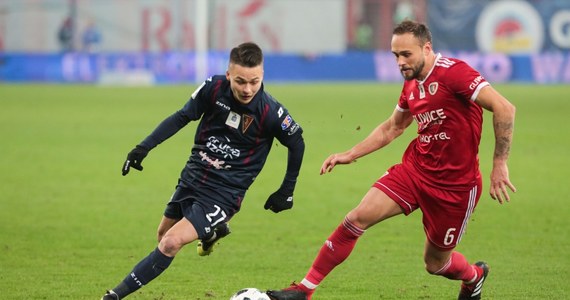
134	159
280	200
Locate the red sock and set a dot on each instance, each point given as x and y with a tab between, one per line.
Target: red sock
335	250
458	268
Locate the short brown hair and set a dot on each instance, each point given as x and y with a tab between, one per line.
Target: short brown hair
419	30
247	54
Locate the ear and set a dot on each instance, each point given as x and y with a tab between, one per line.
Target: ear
228	74
427	48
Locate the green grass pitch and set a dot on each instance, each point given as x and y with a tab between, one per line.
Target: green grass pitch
71	226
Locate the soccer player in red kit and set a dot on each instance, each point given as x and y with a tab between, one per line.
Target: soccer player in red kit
439	172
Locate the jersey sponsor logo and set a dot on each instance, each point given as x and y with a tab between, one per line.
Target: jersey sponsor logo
219	147
411	96
286	122
432	88
475	82
215	163
280	112
428	138
233	120
247	120
428	118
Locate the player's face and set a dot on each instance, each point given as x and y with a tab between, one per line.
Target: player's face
244	81
410	55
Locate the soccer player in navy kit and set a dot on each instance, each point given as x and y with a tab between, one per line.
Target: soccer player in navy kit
439	172
238	123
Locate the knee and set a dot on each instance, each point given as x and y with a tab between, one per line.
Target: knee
169	245
434	266
355	218
432	269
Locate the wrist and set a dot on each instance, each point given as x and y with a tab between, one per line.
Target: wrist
142	147
287	187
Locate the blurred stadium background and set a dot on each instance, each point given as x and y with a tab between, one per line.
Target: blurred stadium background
179	41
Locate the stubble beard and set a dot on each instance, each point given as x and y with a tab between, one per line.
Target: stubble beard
416	72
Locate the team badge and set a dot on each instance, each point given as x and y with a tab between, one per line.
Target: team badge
247	120
233	120
432	88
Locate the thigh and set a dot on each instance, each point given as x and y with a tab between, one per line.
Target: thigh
446	214
397	184
375	207
165	224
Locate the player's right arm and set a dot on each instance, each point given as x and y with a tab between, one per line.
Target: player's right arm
192	110
381	136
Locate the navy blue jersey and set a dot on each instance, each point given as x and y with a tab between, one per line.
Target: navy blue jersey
232	140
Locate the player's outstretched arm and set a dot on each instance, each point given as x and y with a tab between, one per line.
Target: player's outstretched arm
381	136
503	124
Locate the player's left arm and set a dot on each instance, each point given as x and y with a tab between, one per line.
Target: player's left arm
503	124
291	137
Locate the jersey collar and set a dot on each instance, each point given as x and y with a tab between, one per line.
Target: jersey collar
437	57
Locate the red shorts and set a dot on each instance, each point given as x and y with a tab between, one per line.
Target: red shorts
445	212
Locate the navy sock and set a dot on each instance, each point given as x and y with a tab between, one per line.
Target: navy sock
145	271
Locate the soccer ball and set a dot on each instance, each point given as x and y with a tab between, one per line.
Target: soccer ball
250	294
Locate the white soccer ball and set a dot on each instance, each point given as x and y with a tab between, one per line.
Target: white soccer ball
250	294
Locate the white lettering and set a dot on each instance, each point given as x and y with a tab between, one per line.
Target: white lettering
428	138
224	106
429	117
475	82
216	146
136	279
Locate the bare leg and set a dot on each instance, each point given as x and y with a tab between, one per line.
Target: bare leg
165	224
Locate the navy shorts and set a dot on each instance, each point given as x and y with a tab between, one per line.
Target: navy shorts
204	207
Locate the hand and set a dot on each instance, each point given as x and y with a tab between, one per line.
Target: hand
334	159
279	201
500	182
134	159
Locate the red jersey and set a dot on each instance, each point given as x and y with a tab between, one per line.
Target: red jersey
445	153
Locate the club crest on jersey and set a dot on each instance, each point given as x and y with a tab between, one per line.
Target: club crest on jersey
432	88
233	120
247	120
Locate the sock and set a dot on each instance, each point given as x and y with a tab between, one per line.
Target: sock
145	271
335	250
458	268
